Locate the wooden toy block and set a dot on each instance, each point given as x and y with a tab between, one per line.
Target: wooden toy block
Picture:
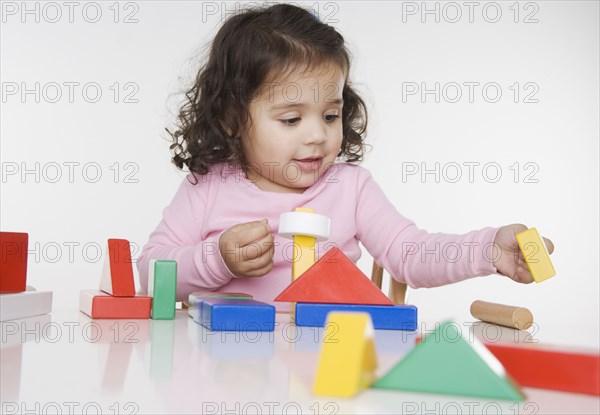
348	360
303	221
554	369
234	314
400	317
13	265
503	315
304	227
224	294
195	298
536	255
99	305
305	255
162	287
335	279
25	304
304	249
117	273
445	363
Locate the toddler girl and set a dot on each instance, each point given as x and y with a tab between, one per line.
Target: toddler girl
273	123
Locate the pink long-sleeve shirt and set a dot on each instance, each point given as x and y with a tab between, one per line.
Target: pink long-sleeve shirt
359	211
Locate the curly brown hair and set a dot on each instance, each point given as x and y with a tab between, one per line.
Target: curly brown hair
247	50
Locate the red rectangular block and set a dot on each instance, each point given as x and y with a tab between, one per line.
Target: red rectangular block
560	370
13	262
100	305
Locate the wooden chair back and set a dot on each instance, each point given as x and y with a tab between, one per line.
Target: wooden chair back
397	290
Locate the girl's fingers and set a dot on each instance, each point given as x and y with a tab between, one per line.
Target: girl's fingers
261	261
257	249
246	225
523	275
260	271
247	235
259	266
549	245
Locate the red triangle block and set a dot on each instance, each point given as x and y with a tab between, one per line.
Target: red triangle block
117	273
334	279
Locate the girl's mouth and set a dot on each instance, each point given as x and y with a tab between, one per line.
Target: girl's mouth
309	164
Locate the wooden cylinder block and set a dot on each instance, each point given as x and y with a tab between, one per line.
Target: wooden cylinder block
504	315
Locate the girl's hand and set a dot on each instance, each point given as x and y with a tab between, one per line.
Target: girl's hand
510	261
247	249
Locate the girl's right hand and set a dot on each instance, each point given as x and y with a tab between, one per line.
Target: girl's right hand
247	249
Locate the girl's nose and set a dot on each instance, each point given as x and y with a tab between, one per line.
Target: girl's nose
317	134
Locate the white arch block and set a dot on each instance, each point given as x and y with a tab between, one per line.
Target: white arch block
304	223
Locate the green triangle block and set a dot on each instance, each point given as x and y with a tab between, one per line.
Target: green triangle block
444	362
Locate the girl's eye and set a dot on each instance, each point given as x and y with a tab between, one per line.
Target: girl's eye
290	122
294	121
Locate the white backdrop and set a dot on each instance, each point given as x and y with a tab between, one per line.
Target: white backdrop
496	102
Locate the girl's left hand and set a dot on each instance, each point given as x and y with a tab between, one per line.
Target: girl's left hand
510	261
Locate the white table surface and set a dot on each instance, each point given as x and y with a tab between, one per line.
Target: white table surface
66	362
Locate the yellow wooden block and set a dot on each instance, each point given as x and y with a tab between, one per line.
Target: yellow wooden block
304	250
348	359
536	255
304	254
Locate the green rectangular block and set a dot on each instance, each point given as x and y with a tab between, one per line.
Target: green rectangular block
162	287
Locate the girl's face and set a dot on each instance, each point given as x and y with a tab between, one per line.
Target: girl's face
296	130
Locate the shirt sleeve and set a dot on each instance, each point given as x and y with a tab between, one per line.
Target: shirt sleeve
412	255
178	237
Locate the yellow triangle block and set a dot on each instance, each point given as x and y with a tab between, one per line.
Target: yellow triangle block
348	359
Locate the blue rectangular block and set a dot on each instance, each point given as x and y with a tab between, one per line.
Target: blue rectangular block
195	300
230	314
398	317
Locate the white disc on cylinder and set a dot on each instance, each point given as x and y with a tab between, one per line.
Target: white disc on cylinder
304	223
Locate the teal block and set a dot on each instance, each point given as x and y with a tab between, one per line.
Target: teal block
162	287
